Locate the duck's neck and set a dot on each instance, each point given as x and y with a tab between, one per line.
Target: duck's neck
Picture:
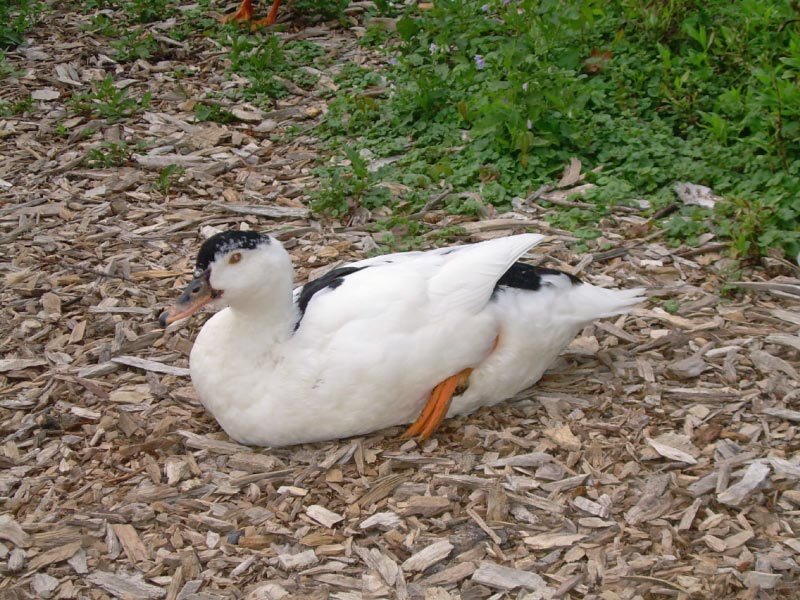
268	316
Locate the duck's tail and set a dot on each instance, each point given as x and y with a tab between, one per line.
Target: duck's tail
601	302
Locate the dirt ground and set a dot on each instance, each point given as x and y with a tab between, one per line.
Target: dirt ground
659	458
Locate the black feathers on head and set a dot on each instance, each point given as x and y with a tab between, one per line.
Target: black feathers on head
227	241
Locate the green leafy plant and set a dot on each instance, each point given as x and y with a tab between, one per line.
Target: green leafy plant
15	19
270	64
6	70
168	176
108	102
18	107
147	11
103	24
495	97
112	154
206	111
134	45
326	9
345	187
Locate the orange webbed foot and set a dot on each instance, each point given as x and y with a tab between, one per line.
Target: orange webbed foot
243	13
436	408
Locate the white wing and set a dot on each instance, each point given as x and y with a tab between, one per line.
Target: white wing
459	279
466	281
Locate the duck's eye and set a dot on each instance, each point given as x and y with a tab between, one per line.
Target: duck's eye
235	258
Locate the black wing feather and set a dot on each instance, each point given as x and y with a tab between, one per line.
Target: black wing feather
331	279
527	277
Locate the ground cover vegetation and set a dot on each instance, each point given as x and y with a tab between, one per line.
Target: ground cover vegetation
494	98
497	96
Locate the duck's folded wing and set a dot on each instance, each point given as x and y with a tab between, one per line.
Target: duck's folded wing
447	280
466	280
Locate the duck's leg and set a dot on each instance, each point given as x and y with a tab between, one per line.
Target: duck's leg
243	13
437	406
271	17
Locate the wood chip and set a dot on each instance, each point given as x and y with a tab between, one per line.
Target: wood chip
17	364
564	438
428	556
134	549
301	560
12	531
651	502
150	365
56	555
547	541
382	520
504	578
426	506
753	478
323	516
452	575
126	585
671	453
534	459
783	413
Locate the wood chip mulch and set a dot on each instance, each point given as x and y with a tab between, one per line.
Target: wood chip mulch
659	458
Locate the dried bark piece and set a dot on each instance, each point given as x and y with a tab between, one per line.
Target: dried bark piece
56	555
651	503
382	488
44	585
134	549
12	531
766	363
738	539
18	364
505	578
761	581
126	585
253	462
150	365
563	437
784	339
426	506
784	468
383	520
272	212
671	452
689	514
16	560
201	442
753	478
428	556
452	575
568	483
267	591
533	459
301	560
593	508
783	413
381	563
78	562
546	541
688	368
323	516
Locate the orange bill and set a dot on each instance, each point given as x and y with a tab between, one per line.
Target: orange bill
196	295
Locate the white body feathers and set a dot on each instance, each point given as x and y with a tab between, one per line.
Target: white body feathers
367	353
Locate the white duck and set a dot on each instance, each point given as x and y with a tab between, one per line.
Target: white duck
376	343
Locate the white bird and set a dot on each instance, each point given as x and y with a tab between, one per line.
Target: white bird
376	343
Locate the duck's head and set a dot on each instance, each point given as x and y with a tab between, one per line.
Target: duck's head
234	268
